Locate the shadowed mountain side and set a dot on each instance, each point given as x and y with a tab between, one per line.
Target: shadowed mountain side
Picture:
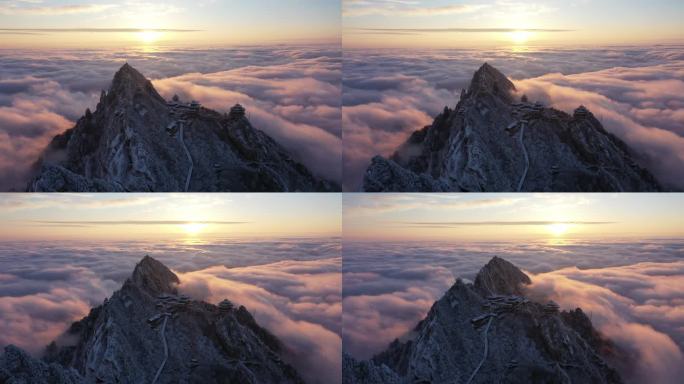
491	143
488	332
136	141
146	332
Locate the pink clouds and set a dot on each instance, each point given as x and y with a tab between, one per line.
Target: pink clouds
299	301
299	112
31	317
380	127
388	307
636	306
26	127
636	104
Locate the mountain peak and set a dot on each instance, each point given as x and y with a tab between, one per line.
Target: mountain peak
501	277
128	74
154	277
128	81
488	79
524	341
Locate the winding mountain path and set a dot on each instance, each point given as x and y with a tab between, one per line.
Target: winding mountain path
166	350
187	152
486	350
527	158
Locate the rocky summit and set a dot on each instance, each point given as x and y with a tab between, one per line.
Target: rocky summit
491	142
148	333
489	332
137	141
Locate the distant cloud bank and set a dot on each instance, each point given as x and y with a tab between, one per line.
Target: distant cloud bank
638	306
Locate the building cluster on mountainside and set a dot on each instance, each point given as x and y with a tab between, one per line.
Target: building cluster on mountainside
181	112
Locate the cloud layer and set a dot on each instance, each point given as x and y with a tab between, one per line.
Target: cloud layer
293	287
293	94
638	306
300	302
629	289
636	91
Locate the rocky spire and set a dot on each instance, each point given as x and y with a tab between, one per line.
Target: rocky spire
154	277
488	79
501	277
127	81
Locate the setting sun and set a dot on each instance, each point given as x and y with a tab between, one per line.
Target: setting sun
558	229
193	228
520	37
149	36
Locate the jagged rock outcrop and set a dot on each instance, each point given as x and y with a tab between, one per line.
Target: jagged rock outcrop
491	143
147	333
137	141
488	333
17	366
501	277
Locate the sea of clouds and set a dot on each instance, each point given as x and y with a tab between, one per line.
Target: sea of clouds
292	287
630	289
637	92
291	93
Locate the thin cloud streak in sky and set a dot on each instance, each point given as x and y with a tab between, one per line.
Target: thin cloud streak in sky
514	223
68	9
397	8
140	222
460	30
94	30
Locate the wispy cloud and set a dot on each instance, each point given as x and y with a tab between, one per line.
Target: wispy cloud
67	9
453	30
447	224
373	205
92	30
137	222
353	8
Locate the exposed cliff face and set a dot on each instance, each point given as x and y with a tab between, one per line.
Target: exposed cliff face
489	333
147	333
490	143
136	141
